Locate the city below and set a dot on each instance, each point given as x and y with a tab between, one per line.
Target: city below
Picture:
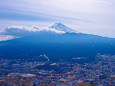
32	72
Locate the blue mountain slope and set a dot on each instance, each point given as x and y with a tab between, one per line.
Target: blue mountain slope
57	46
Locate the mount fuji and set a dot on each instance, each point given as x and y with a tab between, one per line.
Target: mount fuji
57	42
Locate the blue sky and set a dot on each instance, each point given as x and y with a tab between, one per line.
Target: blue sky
88	16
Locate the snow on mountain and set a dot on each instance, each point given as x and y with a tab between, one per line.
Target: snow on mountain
61	27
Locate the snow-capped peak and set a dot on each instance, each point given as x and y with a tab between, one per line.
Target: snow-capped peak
61	27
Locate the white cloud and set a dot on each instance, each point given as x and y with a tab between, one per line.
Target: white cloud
34	28
58	7
25	28
6	37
